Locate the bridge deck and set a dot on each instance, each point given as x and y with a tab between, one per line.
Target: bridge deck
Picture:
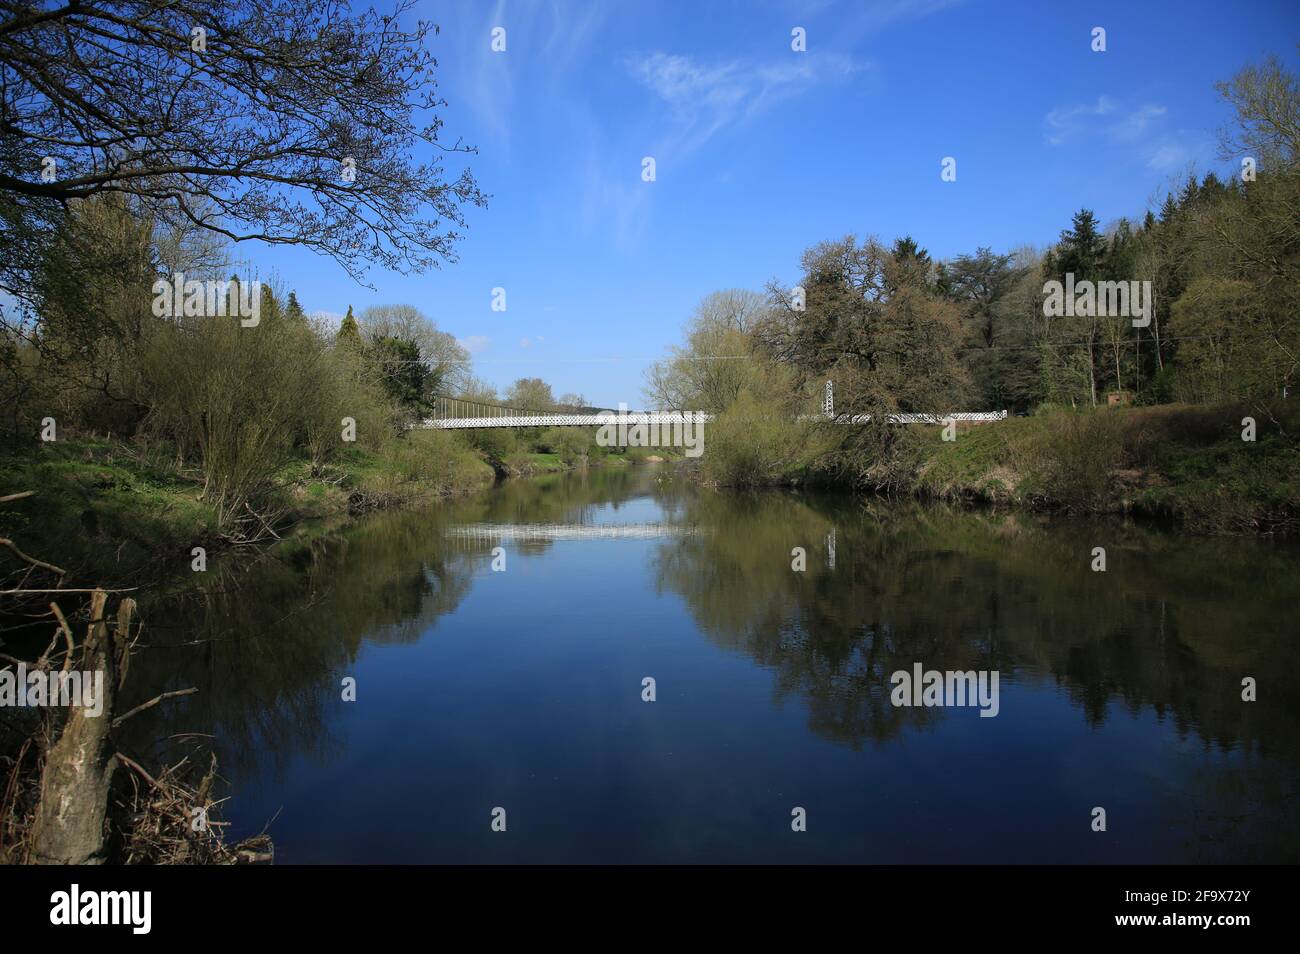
680	418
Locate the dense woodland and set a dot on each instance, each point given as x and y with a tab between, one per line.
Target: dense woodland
897	330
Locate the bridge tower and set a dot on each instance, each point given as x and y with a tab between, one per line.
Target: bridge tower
828	402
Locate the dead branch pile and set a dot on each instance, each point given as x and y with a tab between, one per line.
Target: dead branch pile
170	820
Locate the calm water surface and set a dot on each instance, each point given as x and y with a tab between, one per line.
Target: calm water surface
523	688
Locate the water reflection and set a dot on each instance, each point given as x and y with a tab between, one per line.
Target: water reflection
1175	623
476	688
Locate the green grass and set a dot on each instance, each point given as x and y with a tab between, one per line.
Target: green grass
978	463
99	512
109	513
1186	463
1229	486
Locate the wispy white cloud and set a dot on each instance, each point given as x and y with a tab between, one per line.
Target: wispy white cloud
617	202
1138	122
474	344
1105	119
1182	150
543	44
862	17
489	93
703	98
1141	129
1169	156
1066	122
698	100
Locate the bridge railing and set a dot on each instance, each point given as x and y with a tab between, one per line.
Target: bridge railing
454	412
445	407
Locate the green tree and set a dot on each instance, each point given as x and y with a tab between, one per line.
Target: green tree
270	304
1266	100
449	363
1081	247
250	145
405	374
348	331
993	340
1080	253
888	341
530	394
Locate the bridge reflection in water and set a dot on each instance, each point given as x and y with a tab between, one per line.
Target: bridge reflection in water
471	534
492	532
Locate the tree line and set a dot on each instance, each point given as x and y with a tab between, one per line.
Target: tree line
1217	269
235	402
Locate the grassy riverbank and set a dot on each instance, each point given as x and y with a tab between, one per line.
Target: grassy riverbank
110	512
539	462
1186	463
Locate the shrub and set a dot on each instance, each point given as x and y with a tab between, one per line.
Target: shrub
750	445
1071	457
570	444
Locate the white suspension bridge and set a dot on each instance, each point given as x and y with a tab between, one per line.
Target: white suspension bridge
451	413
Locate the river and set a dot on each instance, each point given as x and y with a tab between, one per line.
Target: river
522	687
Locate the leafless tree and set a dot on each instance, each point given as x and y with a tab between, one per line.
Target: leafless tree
449	361
285	121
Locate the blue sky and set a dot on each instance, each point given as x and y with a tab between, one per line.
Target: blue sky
761	151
